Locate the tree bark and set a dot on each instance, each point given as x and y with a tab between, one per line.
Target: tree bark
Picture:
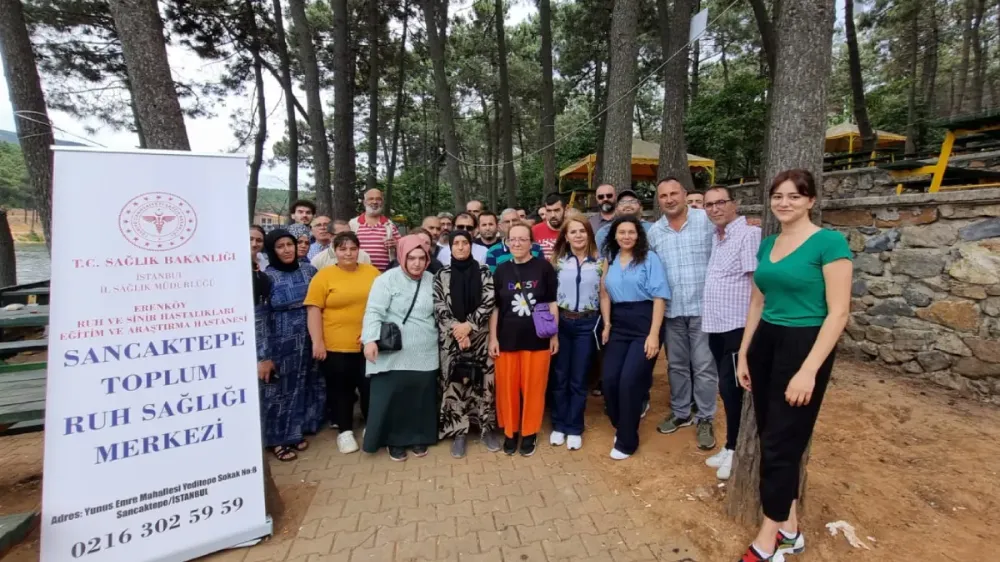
548	117
490	155
436	45
31	118
144	48
258	75
979	69
928	77
343	112
602	121
766	29
673	38
623	49
317	127
8	260
958	103
373	98
795	134
291	123
857	83
911	98
506	120
397	118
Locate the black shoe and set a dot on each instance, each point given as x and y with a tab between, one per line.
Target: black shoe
397	453
419	450
510	445
528	445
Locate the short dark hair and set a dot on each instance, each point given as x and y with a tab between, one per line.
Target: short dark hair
641	249
670	178
803	181
487	214
729	194
302	203
468	216
344	237
553	198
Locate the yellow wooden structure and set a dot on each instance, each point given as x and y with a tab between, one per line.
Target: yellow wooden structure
645	160
846	137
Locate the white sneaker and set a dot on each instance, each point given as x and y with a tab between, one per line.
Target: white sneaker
726	468
716	460
574	442
557	438
618	455
346	443
787	546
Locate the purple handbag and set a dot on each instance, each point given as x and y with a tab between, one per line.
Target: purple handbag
545	323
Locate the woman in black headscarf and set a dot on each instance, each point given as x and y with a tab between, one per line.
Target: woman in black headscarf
292	395
463	302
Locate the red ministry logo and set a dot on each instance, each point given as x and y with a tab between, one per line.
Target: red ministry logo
157	221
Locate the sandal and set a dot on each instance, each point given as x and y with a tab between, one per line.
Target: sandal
284	454
302	446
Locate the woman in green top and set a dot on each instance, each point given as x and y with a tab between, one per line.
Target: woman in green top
798	309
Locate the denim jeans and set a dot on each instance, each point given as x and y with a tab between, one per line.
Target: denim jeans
687	351
569	373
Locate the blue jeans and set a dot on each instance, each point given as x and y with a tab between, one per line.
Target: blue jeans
569	373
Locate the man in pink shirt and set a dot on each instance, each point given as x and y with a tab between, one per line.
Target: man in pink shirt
377	234
546	231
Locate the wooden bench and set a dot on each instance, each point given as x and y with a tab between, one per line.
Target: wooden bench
20	346
13	528
27	317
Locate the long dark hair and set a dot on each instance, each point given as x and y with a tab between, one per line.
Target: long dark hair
611	247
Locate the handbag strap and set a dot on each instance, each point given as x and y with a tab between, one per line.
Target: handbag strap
414	301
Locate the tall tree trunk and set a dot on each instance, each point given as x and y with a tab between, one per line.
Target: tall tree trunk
673	39
638	122
31	118
928	77
436	39
343	111
857	84
623	48
373	99
8	260
695	63
317	127
796	129
767	35
144	48
911	97
291	124
958	104
258	77
398	117
490	154
979	68
548	117
495	186
602	121
506	120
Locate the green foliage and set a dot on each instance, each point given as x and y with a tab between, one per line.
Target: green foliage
728	125
14	189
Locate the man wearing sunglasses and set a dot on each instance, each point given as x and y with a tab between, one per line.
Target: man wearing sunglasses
466	222
628	205
606	200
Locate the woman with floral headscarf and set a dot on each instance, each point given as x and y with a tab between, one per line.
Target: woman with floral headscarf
402	410
292	396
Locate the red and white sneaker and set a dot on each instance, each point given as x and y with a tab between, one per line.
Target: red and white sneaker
754	555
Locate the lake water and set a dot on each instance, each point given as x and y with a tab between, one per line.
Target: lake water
33	263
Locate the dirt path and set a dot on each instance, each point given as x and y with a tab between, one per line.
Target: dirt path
900	461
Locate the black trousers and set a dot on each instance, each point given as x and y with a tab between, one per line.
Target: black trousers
776	353
345	379
725	348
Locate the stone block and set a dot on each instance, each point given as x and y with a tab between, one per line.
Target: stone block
956	314
991	306
977	265
859	288
912	340
910	216
878	334
989	228
869	348
855	330
891	307
882	242
976	368
892	356
937	235
868	263
856	241
969	211
884	321
884	288
917	295
848	217
913	367
977	292
984	349
933	360
939	283
950	343
917	263
858	305
868	230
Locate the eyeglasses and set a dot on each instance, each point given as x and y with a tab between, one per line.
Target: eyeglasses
628	201
720	203
465	227
606	197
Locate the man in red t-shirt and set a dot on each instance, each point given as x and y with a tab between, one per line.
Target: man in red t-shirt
377	234
546	231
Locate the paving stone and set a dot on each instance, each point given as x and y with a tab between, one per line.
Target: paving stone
415	551
471	467
382	553
347	540
498	505
377	478
601	543
410	486
416	514
385	489
268	550
498	539
560	495
530	553
384	518
641	554
471	493
543	514
520	517
370	505
537	484
489	556
484	480
344	556
457	509
331	525
569	549
453	481
434	497
457	546
304	547
575	526
475	523
533	499
529	533
391	535
444	528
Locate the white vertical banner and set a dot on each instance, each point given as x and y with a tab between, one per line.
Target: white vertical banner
699	23
152	422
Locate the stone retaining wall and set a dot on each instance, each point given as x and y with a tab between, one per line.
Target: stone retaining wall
926	291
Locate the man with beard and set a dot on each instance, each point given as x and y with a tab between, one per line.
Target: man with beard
447	221
302	211
377	234
628	205
547	231
606	200
488	234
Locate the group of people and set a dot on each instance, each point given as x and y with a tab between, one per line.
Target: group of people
478	322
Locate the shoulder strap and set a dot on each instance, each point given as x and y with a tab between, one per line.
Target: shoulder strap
414	301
